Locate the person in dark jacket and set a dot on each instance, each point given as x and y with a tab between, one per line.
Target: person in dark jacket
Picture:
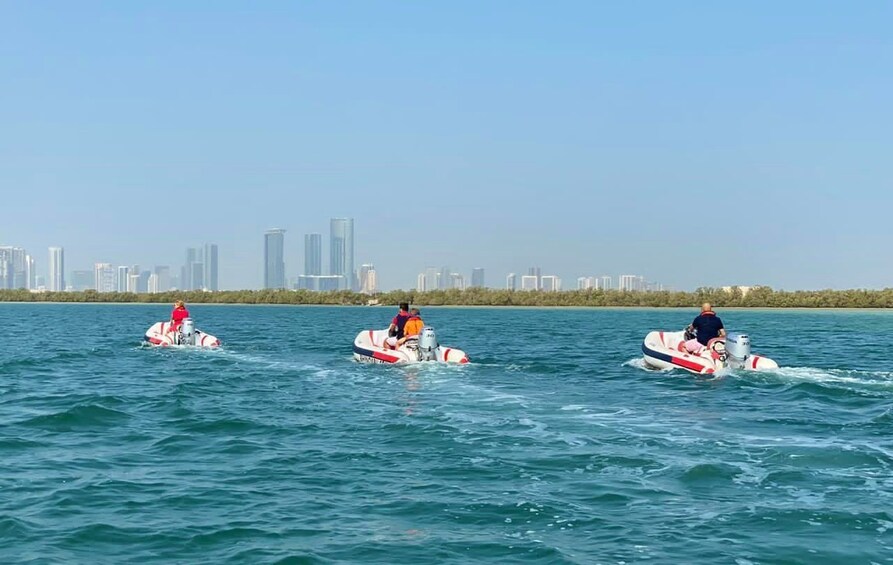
706	326
395	330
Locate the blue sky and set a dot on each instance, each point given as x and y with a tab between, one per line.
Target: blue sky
695	143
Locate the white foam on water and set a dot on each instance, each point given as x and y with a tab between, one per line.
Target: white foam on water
878	379
639	363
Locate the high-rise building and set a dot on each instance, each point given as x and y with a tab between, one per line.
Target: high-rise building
274	258
368	279
341	250
529	282
550	283
163	276
444	279
104	278
30	273
538	273
153	283
432	279
584	283
313	254
143	282
511	282
82	280
5	268
421	283
632	283
477	277
607	282
123	273
209	275
457	281
13	268
57	269
133	282
192	273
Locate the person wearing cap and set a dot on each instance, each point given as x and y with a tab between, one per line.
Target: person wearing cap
413	327
179	314
706	326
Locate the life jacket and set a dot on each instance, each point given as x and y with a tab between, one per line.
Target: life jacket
413	326
400	321
177	316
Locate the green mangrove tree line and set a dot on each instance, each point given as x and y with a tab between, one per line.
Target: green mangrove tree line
757	298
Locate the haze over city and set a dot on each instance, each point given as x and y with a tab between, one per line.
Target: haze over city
662	139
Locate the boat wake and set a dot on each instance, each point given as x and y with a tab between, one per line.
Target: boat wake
842	378
833	377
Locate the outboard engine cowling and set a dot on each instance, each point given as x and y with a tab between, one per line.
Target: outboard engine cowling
737	348
427	344
187	332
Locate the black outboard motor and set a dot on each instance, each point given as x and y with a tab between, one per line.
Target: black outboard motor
737	349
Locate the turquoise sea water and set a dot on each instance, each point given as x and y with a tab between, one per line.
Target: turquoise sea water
553	446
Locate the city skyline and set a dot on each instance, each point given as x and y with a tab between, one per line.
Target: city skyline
127	278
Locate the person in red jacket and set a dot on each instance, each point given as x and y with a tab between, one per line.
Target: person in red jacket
179	314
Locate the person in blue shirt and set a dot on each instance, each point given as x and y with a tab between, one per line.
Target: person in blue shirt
706	326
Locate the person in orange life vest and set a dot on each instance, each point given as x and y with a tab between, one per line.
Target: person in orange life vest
413	327
179	314
395	330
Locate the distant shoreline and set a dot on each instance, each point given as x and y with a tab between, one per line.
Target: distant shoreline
471	307
759	298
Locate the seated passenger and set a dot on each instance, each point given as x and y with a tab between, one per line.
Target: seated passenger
179	314
395	330
708	326
413	327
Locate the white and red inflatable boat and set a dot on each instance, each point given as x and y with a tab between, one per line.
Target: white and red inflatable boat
666	350
162	335
368	347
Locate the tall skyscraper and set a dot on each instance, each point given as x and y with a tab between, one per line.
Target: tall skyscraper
274	258
163	273
421	284
432	278
341	251
104	278
143	281
30	273
13	268
511	282
133	282
444	279
607	282
6	268
192	274
123	273
313	254
209	260
153	283
477	277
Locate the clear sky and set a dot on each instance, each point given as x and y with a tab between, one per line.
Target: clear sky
695	143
